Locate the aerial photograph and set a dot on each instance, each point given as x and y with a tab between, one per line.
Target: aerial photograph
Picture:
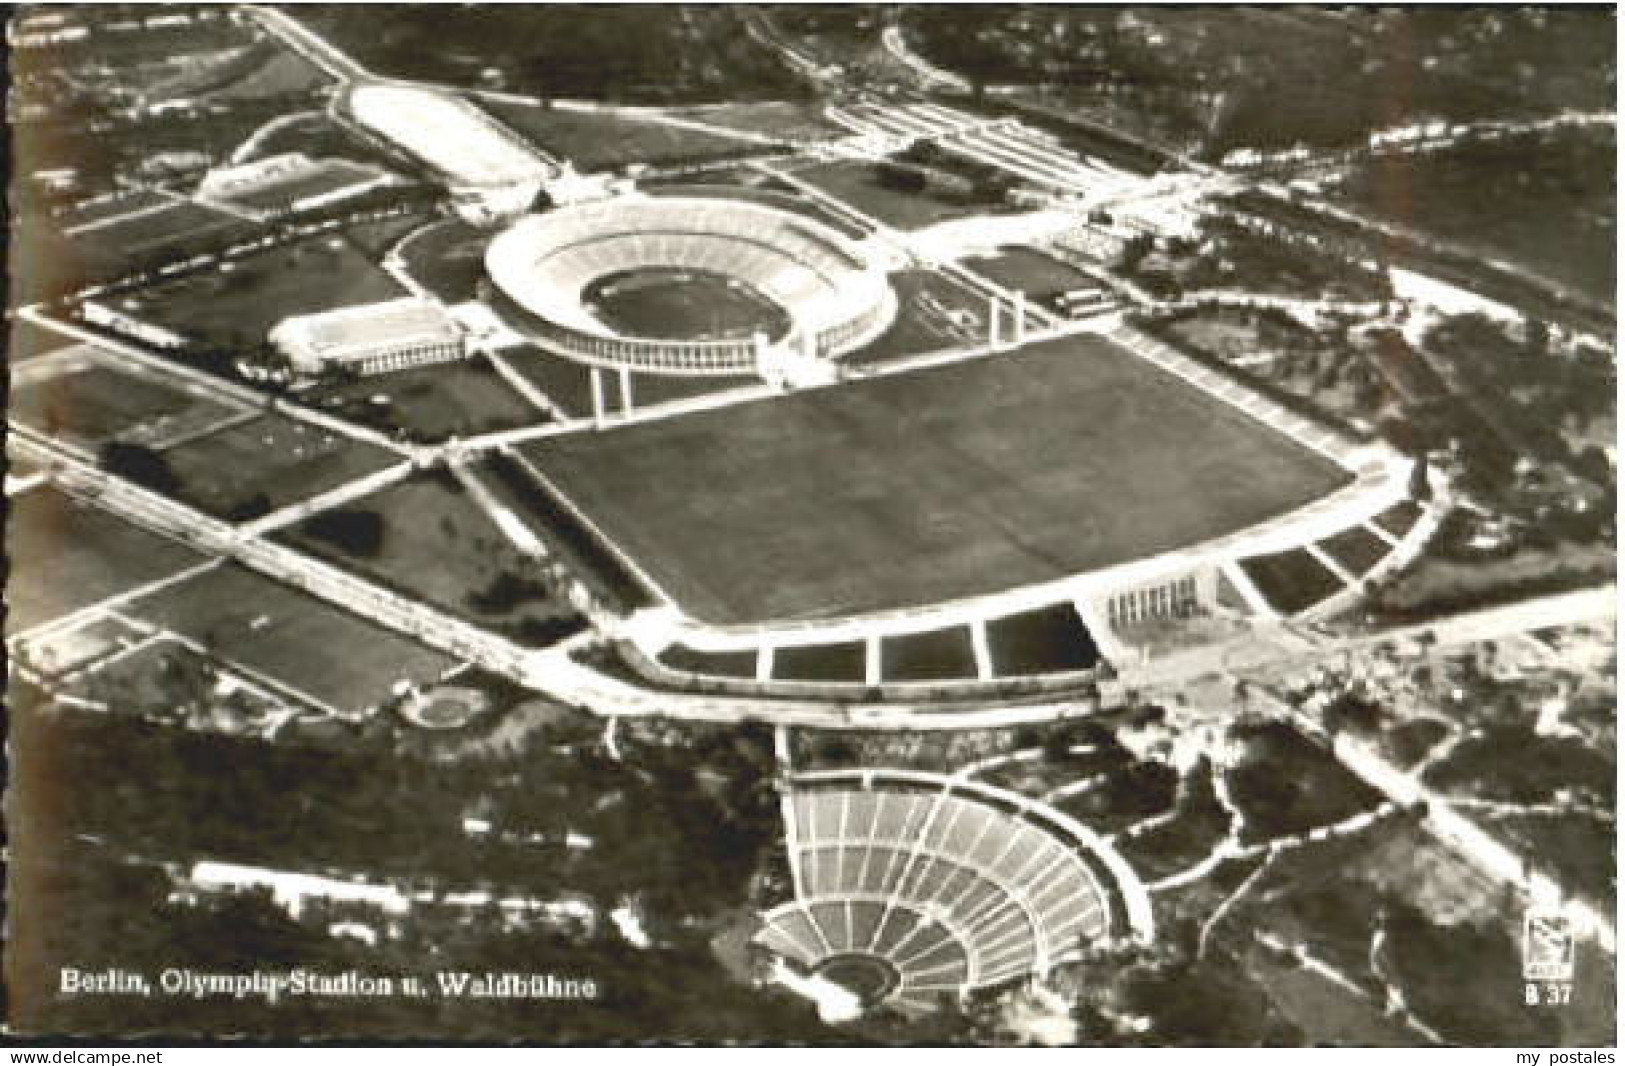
883	525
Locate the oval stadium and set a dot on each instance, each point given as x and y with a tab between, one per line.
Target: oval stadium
752	277
912	886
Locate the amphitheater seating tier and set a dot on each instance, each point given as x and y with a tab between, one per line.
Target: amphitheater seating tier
950	889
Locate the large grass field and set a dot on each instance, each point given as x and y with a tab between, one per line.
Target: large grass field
682	305
239	306
448	258
66	555
774	118
326	653
141	231
285	460
910	489
1030	271
434	402
86	402
438	546
605	141
855	184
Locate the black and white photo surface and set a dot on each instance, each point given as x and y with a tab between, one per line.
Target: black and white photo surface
812	524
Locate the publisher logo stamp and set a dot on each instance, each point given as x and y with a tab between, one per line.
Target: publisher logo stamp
1548	947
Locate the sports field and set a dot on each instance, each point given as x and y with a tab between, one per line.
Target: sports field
682	305
983	475
272	456
240	306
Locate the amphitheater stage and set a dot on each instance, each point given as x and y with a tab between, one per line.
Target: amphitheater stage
919	488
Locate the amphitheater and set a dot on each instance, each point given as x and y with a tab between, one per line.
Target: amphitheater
913	886
834	298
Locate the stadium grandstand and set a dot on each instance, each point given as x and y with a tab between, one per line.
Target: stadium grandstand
834	298
281	184
491	172
910	887
370	338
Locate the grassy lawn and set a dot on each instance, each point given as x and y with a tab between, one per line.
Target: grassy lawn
319	650
282	73
773	117
682	304
918	488
650	389
432	403
855	184
90	402
713	663
239	306
447	258
820	662
564	381
438	546
1049	640
286	460
601	141
332	177
1030	271
133	233
66	555
937	655
1399	518
1291	581
1356	548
